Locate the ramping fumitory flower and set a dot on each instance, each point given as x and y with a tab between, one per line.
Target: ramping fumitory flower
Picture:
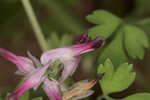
83	38
33	80
49	86
81	89
34	73
70	55
24	64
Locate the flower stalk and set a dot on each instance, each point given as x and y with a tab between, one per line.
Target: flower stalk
35	25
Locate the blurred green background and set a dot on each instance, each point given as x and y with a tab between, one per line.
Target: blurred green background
62	21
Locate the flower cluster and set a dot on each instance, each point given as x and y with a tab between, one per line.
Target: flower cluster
35	70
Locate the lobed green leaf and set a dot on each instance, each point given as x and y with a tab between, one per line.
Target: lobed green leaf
115	81
135	41
106	22
104	31
114	51
138	96
103	17
127	40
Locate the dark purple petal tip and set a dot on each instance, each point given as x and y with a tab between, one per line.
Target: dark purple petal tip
100	76
83	38
98	42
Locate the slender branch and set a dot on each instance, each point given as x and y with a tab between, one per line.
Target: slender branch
144	21
35	25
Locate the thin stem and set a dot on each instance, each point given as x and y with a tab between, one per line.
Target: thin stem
144	21
35	25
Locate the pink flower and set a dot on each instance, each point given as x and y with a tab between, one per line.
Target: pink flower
24	64
81	89
35	70
34	73
70	55
51	89
83	38
33	80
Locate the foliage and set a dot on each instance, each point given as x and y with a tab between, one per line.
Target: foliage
135	41
114	51
106	24
123	75
122	37
138	96
118	80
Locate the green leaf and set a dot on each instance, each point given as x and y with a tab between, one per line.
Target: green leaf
126	40
106	22
114	51
138	96
38	98
135	41
104	31
115	81
124	76
108	68
146	29
103	17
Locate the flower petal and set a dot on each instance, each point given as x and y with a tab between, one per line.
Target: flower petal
68	53
69	68
51	89
88	93
24	64
83	38
87	47
56	54
31	81
34	60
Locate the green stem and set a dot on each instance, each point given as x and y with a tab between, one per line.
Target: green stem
144	21
35	25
